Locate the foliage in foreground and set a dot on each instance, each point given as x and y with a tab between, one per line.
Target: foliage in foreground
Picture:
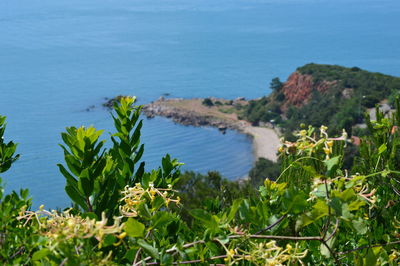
315	212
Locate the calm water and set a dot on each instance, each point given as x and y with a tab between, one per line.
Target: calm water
59	57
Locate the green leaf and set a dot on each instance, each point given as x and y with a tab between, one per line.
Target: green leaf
360	226
134	228
382	148
294	201
201	215
76	197
70	179
85	184
372	256
40	254
166	164
152	251
209	221
234	208
332	165
332	162
319	210
336	205
161	219
109	240
139	154
130	255
73	164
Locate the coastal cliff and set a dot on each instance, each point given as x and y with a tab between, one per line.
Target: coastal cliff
298	89
330	95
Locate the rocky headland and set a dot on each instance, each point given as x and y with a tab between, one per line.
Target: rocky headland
222	114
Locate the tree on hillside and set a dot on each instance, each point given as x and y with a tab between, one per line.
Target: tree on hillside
276	84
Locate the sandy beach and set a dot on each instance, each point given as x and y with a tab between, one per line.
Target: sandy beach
265	142
193	112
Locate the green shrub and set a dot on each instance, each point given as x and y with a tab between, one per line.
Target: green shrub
208	102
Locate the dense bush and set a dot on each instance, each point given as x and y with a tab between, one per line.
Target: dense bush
315	213
210	191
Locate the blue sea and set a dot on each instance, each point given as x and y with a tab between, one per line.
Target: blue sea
58	57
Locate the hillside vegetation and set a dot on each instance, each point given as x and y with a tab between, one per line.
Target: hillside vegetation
316	212
329	95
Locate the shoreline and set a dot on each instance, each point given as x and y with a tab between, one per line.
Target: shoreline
265	140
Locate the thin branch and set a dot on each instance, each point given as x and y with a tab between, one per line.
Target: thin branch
269	227
272	225
138	252
90	207
334	255
64	262
196	261
334	230
272	237
19	252
368	246
188	245
137	257
328	220
143	261
294	238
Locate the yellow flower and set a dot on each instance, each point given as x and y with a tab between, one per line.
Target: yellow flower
330	143
327	151
122	235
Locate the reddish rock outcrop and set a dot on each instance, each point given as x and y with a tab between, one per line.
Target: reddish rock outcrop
298	89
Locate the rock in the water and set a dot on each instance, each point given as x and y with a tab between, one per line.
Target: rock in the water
110	102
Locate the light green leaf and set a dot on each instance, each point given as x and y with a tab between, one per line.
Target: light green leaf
319	210
382	148
40	254
234	208
332	162
134	228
